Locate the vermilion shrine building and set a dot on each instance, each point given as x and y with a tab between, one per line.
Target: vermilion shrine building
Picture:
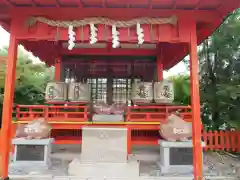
171	30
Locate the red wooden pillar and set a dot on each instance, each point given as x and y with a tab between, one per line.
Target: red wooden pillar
129	140
57	74
159	68
195	102
8	104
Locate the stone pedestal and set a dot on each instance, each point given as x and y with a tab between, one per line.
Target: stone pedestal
31	152
104	155
176	157
104	145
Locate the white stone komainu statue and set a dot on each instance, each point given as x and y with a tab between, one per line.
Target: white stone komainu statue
79	92
142	92
163	92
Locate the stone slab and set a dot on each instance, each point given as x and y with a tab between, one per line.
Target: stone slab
23	141
103	170
179	144
104	145
107	118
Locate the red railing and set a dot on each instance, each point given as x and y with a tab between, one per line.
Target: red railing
218	140
222	140
156	113
80	113
67	113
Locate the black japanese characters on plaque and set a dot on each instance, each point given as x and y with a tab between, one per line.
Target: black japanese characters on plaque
30	153
181	156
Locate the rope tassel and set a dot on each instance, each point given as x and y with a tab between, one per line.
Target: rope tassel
93	34
140	34
71	36
115	38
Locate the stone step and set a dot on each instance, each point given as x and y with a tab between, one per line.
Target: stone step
104	170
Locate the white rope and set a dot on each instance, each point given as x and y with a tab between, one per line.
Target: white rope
106	21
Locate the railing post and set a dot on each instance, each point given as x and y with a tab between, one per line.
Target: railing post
238	143
222	140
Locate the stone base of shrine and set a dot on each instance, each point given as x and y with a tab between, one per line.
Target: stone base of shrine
62	156
104	170
176	157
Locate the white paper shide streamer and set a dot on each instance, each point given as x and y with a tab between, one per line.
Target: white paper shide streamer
140	34
115	38
93	34
71	36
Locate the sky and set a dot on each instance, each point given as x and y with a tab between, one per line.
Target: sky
180	68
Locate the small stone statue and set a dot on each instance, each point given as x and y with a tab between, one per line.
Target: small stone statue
176	129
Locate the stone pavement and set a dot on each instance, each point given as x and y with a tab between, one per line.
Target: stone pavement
41	177
62	156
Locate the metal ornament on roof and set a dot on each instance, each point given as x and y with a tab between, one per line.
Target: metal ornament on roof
92	21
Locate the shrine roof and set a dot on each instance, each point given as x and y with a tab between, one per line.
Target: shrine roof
133	7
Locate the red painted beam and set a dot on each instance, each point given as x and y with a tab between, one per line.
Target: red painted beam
80	3
7	2
4	13
112	52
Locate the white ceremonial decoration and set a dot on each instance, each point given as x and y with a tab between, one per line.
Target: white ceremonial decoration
115	38
71	36
93	34
140	34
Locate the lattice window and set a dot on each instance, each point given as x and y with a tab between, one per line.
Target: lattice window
122	90
99	89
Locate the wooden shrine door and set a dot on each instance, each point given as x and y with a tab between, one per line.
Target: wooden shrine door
110	90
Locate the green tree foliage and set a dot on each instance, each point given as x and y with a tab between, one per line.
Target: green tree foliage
181	85
220	74
31	79
219	58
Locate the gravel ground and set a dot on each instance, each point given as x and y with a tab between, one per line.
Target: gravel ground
223	164
216	164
